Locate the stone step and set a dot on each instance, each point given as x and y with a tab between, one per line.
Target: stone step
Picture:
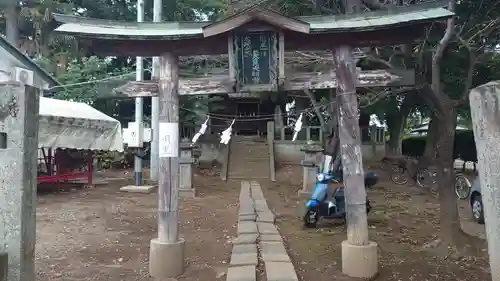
263	151
253	177
249	145
239	160
243	172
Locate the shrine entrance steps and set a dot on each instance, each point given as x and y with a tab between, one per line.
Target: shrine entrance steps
248	158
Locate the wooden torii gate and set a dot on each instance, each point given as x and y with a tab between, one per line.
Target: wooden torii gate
255	41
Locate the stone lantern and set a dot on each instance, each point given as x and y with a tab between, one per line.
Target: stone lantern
310	166
186	172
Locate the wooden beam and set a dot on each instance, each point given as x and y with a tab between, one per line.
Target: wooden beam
217	44
222	84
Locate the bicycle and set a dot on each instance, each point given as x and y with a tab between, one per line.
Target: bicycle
426	178
462	186
423	177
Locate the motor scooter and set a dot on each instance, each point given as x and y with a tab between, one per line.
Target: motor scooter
321	206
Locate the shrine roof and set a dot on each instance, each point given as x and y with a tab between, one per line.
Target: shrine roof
109	29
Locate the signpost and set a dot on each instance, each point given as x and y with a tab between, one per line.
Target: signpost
256	61
134	136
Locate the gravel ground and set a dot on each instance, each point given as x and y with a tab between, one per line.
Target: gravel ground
104	234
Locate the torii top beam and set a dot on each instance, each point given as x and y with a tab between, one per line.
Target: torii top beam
398	25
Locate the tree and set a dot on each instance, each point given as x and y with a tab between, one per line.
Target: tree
476	37
447	67
446	70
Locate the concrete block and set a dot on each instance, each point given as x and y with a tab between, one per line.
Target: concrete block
247	227
245	189
244	259
257	193
271	238
247	218
258	196
261	209
138	189
245	239
166	260
241	273
280	271
244	254
267	228
257	201
360	261
261	206
187	193
244	249
246	200
265	217
246	210
274	251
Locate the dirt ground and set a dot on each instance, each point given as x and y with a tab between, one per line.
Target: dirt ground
104	234
403	221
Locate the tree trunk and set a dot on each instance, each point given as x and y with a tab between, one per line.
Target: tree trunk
395	124
450	229
12	24
433	131
302	105
333	145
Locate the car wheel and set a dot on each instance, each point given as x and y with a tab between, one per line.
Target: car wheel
477	209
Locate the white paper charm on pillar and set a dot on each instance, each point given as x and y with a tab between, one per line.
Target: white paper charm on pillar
226	134
298	127
202	131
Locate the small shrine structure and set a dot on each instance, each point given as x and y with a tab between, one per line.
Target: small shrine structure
256	43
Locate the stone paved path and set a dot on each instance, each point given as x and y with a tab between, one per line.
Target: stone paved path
258	241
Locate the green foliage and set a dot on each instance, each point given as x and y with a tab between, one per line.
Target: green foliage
464	146
84	70
193	108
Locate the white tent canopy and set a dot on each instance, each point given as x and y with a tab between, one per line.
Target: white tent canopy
76	125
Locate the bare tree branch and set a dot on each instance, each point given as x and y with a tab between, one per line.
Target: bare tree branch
317	109
470	70
383	95
437	93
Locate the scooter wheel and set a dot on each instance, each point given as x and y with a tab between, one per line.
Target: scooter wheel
310	219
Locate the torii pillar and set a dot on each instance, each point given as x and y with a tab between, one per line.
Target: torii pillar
19	107
359	255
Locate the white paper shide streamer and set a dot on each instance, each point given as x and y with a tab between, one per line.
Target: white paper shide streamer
202	131
298	127
226	134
